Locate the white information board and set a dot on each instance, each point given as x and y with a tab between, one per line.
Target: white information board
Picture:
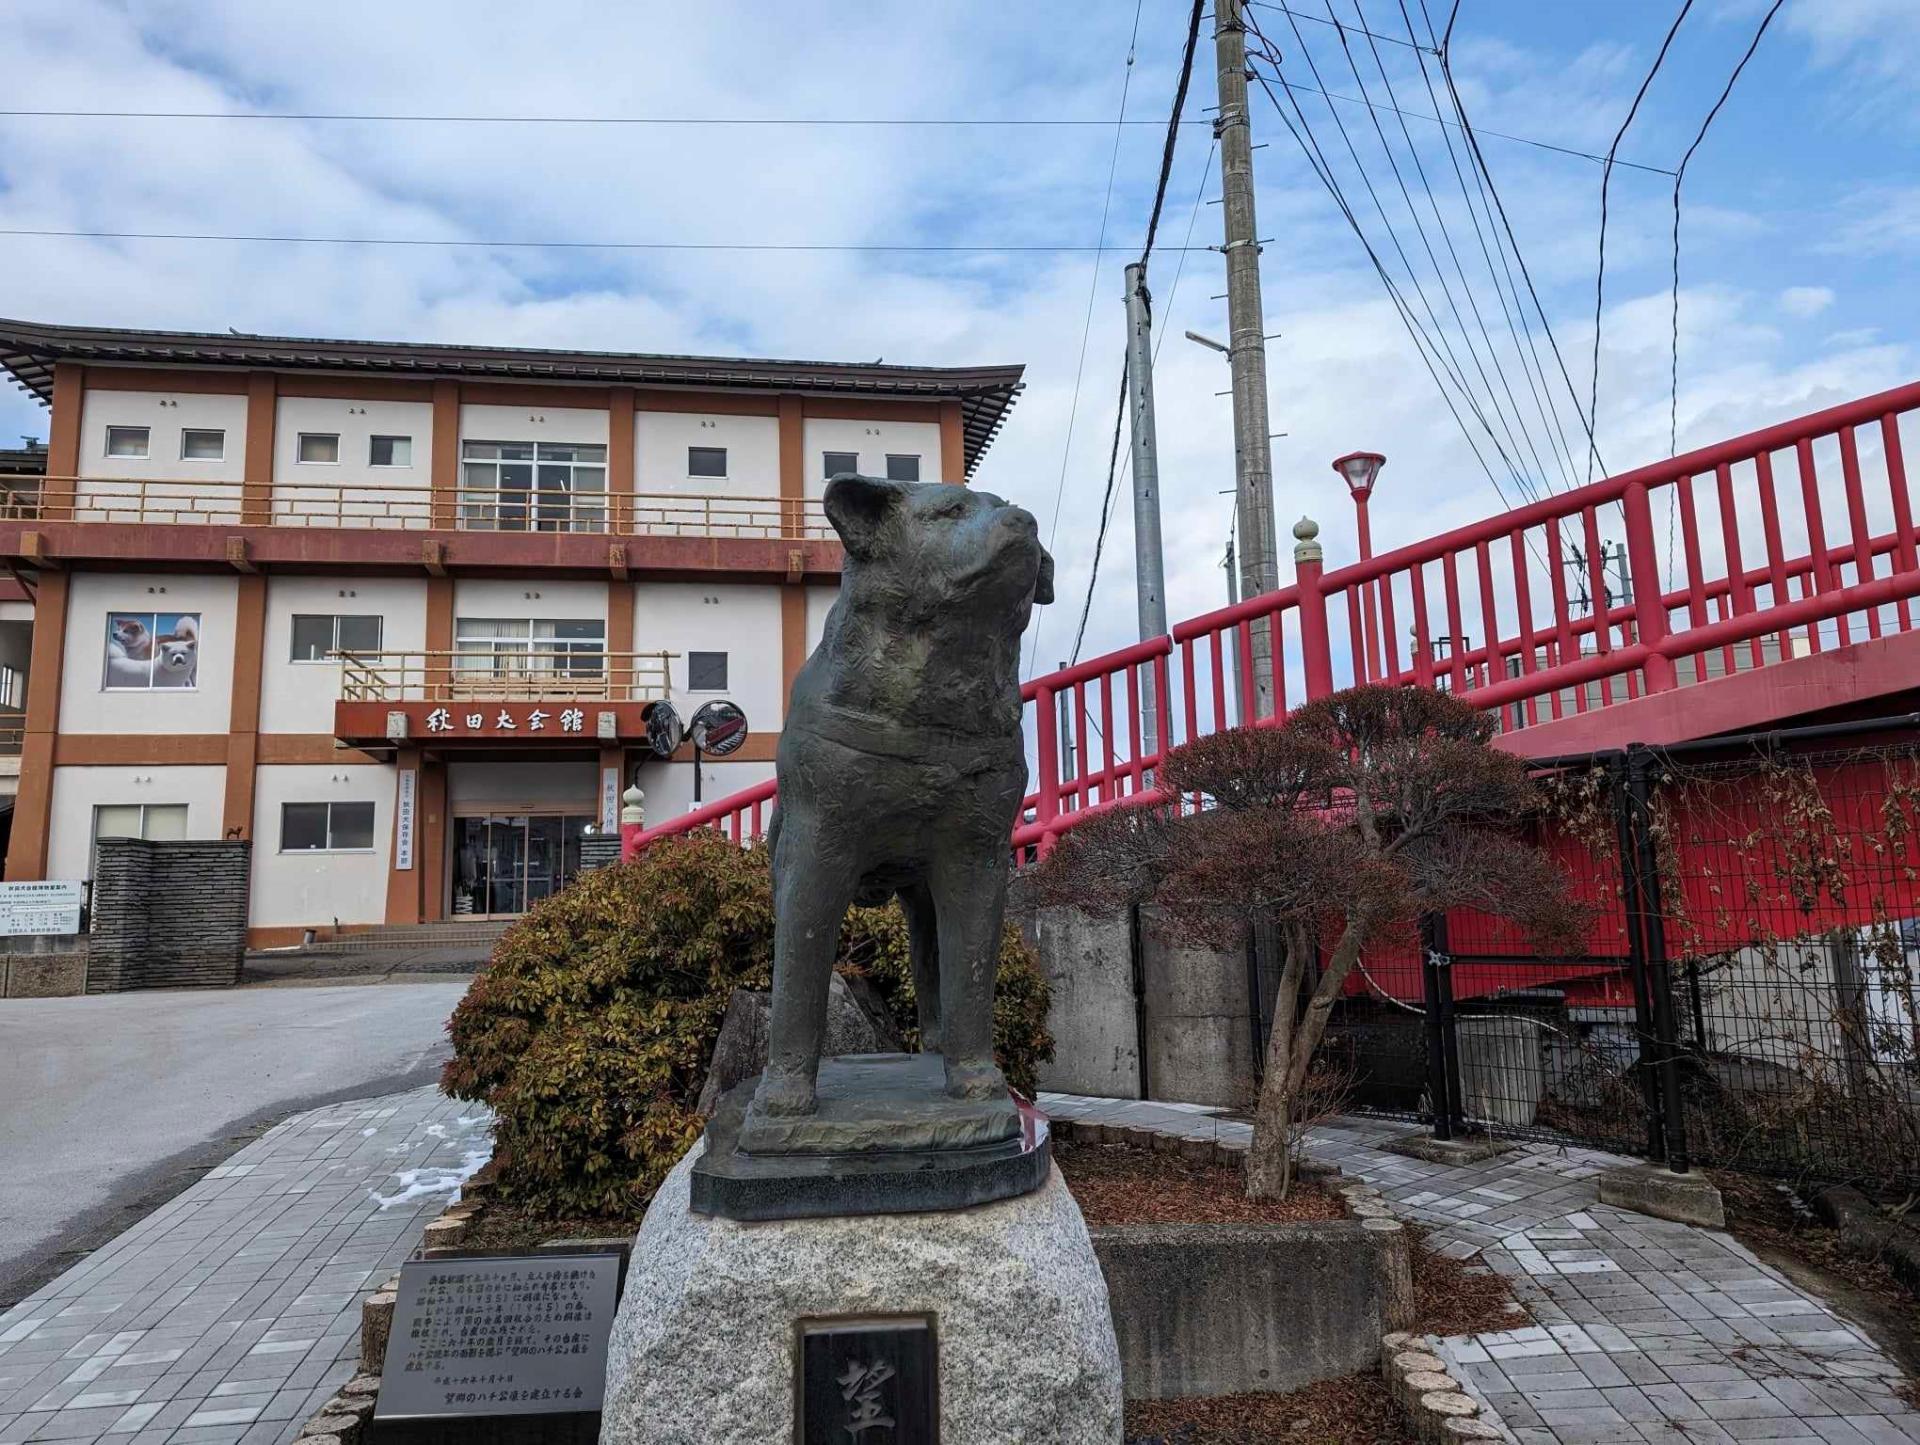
403	823
51	907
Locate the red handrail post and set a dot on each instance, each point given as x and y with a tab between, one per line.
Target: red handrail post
1649	599
1047	800
1316	644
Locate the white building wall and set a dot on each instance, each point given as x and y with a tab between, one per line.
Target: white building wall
669	786
531	597
298	697
77	791
872	441
490	423
740	619
87	705
165	414
307	888
661	440
352	491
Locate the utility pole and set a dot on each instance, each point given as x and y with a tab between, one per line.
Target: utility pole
1149	569
1246	322
1239	665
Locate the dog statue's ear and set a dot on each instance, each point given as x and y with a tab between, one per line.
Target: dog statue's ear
858	507
1043	584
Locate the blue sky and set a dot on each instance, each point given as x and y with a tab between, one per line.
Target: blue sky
1800	217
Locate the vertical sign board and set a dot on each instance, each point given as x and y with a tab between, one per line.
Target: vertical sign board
51	907
867	1381
501	1335
403	806
609	800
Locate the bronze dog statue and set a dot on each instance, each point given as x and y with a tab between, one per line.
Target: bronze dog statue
902	766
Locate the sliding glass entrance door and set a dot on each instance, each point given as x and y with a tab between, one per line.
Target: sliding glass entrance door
504	863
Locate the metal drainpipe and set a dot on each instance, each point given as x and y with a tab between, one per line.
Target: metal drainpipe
1138	956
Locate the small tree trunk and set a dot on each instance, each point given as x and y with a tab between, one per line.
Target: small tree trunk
1269	1157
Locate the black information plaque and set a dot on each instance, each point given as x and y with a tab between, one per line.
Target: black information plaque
506	1335
867	1380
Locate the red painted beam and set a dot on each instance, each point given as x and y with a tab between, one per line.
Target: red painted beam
125	544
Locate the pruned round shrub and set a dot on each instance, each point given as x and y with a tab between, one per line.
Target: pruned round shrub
590	1032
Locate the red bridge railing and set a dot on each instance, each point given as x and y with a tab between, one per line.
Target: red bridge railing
1780	543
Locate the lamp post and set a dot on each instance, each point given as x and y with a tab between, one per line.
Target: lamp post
1360	470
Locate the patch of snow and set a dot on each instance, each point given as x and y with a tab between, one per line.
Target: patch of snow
424	1183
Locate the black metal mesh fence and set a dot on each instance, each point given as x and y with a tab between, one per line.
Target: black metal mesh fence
1747	997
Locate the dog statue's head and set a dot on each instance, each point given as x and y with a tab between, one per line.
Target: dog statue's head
961	553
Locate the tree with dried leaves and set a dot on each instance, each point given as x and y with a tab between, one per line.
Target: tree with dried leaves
1348	819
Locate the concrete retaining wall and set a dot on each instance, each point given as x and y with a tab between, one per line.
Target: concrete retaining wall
1092	1017
167	914
1221	1309
1199	1021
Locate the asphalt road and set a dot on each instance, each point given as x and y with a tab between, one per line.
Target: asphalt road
111	1104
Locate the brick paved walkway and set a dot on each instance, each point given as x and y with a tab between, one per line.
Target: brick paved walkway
1643	1331
232	1311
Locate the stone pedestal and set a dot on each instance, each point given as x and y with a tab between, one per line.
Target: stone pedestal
703	1348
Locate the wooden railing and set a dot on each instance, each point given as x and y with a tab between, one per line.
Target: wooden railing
1775	545
557	676
176	502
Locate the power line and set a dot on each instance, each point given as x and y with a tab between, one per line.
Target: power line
1485	174
1093	291
1106	502
1600	272
1153	225
1525	432
1439	340
602	245
1536	375
1673	407
1673	377
888	121
1317	20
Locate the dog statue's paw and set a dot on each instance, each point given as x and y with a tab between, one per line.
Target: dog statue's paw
974	1079
783	1097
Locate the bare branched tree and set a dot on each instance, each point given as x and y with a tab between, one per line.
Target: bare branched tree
1352	816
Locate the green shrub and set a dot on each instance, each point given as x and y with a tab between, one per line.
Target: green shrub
590	1032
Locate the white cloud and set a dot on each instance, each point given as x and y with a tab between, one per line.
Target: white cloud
1805	301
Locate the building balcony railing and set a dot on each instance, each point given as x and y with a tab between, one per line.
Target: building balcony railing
176	502
491	677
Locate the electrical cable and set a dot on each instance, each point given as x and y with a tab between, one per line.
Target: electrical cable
1086	325
1529	356
500	245
1486	176
1173	128
1600	272
1673	374
1443	349
1446	236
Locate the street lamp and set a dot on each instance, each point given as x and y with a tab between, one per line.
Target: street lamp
1360	470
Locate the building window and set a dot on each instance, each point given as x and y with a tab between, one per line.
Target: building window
390	452
834	463
320	446
156	822
706	461
199	444
326	827
533	487
13	688
706	672
315	636
903	469
152	649
507	656
126	441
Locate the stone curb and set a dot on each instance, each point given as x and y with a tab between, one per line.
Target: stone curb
1436	1405
1867	1230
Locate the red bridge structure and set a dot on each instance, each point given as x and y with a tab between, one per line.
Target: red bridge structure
1765	585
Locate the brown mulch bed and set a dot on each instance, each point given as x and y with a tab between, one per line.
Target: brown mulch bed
1353	1411
501	1224
1454	1298
1117	1184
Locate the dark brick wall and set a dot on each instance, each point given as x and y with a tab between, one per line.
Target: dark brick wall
168	915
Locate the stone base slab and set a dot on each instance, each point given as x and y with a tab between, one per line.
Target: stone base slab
703	1347
1476	1149
1656	1190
